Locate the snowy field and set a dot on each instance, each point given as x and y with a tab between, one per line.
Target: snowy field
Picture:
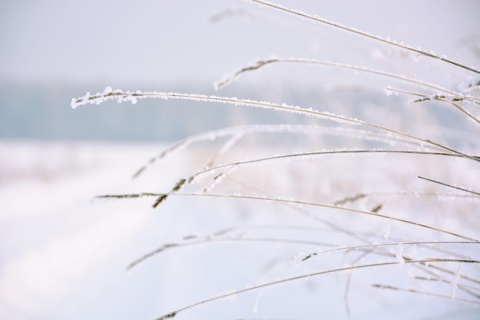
64	254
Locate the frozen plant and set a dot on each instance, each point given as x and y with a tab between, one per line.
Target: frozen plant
384	203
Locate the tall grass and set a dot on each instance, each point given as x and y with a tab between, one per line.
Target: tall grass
395	192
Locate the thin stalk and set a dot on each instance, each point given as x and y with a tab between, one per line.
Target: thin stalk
230	166
442	98
468	289
363	248
382	245
320	153
220	240
261	63
282	128
389	287
308	275
449	185
108	94
364	34
296	202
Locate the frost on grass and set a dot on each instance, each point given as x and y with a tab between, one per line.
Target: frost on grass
364	34
260	63
228	78
236	133
397	252
259	294
107	94
454	282
469	85
128	96
124	96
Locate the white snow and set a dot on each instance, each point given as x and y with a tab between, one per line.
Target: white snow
64	254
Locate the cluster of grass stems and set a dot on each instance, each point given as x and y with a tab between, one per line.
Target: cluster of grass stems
439	267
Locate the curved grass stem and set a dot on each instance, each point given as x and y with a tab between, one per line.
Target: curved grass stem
320	153
295	202
108	94
280	128
262	63
313	274
364	34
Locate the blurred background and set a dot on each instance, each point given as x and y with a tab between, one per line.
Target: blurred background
53	51
62	254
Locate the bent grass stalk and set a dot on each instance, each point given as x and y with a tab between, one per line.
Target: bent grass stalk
364	34
230	166
221	240
388	244
121	96
296	202
227	168
281	128
450	186
322	153
367	248
442	98
394	288
451	97
471	288
362	236
262	63
314	274
355	235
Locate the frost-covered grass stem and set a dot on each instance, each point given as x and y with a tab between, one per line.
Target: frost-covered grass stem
364	34
315	274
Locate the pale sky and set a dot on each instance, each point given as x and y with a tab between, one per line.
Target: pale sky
162	41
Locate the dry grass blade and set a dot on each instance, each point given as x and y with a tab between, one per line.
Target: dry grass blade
222	240
383	245
296	202
363	34
449	185
468	289
313	274
448	99
452	95
108	94
389	287
321	153
281	128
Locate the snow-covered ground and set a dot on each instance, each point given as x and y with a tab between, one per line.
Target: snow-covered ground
64	253
56	241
